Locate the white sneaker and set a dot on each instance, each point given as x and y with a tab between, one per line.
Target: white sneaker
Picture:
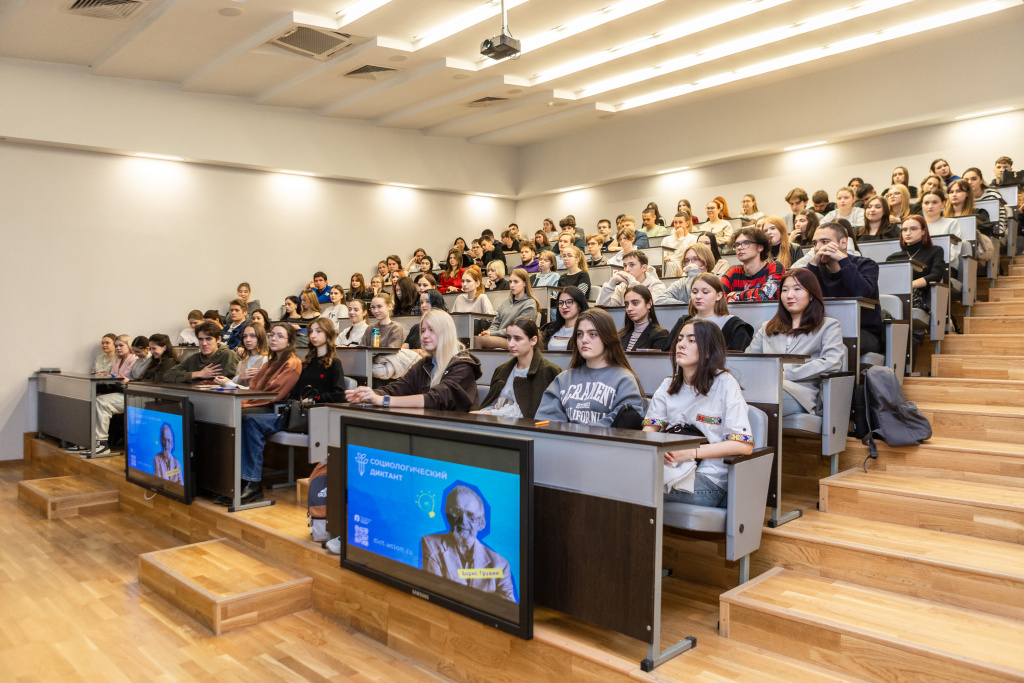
333	546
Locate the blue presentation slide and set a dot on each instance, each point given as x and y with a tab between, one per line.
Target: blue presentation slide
154	442
452	520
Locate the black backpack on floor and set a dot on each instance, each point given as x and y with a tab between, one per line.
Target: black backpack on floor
881	410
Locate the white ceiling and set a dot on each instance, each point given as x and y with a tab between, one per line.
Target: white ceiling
191	43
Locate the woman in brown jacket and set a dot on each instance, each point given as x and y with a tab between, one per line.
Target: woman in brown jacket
281	371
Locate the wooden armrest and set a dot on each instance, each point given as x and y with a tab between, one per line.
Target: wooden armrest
758	452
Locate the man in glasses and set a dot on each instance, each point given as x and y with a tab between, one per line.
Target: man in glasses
756	278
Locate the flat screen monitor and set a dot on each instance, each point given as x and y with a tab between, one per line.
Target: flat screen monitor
158	443
444	515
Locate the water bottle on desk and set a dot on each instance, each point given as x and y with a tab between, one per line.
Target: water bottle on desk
376	337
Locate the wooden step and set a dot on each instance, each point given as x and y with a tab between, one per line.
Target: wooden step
975	573
1010	324
60	497
869	633
983	423
978	392
223	586
989	308
302	492
1016	270
1006	294
960	507
987	462
978	367
996	345
1008	281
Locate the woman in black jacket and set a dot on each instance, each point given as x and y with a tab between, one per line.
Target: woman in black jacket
444	380
642	331
518	385
917	246
707	302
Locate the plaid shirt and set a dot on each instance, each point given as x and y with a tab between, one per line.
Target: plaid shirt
762	286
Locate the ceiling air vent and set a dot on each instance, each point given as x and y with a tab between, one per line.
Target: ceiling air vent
372	72
486	101
318	43
105	9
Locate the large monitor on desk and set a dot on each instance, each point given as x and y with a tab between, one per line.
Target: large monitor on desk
158	444
445	516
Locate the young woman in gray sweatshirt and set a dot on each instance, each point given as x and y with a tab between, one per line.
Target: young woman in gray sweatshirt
521	303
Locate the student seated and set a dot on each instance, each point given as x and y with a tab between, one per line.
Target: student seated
916	245
395	270
413	266
749	213
465	251
801	327
797	199
877	216
594	256
244	294
931	183
640	240
382	271
428	301
682	232
318	285
251	357
358	289
187	337
898	198
496	281
721	265
981	192
701	397
451	276
718	226
557	334
932	203
280	369
444	380
804	225
707	302
358	314
106	405
231	335
509	243
102	364
163	357
376	286
642	331
821	203
520	303
541	242
604	229
211	360
321	380
472	299
518	385
213	316
338	310
696	259
567	226
140	349
391	334
941	168
529	258
490	253
651	227
599	384
405	295
575	274
547	275
756	278
901	176
635	271
623	245
292	304
260	317
782	250
844	275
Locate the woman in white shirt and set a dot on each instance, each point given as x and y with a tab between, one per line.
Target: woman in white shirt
359	315
472	299
722	229
556	335
338	310
750	212
251	357
932	204
703	398
845	209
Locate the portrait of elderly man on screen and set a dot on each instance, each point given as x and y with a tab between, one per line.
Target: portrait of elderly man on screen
165	465
459	556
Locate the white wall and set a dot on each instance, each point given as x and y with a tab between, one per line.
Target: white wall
973	142
96	243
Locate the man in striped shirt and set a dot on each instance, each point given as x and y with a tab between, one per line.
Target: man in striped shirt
757	278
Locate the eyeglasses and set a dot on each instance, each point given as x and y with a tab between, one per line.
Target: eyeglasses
566	303
744	243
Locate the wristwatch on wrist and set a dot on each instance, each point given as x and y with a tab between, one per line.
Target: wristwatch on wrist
386	402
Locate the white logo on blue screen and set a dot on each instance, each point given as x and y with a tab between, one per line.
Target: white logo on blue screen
361	460
362	519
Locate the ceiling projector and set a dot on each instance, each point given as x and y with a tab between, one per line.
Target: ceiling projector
500	47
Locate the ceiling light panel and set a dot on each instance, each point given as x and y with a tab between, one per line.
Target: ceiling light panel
358	10
463	22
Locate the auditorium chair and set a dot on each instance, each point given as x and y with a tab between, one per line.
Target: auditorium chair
741	521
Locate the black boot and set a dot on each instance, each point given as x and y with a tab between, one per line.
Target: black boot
252	492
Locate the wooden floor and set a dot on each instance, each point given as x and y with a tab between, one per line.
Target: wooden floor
73	610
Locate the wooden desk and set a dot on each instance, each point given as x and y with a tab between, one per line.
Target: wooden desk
65	406
598	511
218	436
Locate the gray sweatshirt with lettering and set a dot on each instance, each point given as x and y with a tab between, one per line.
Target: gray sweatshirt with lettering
592	397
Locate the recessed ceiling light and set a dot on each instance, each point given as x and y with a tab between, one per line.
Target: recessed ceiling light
570	189
397	58
359	9
484	194
289	172
403	185
982	113
159	156
460	77
806	145
672	170
231	11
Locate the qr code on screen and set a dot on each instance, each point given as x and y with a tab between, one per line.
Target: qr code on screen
362	536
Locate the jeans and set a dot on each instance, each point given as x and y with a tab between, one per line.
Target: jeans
255	430
790	406
705	493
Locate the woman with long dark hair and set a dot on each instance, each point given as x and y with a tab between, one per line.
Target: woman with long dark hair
708	302
599	384
451	276
406	296
163	358
517	386
876	221
642	331
520	302
701	397
557	335
801	327
357	288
